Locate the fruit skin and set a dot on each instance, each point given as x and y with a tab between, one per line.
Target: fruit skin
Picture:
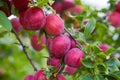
33	18
73	57
68	4
54	62
36	44
70	70
6	8
60	45
40	75
60	77
75	10
54	25
73	44
16	24
57	6
117	7
21	5
104	47
29	77
114	19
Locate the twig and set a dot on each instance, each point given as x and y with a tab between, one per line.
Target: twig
24	49
73	38
61	69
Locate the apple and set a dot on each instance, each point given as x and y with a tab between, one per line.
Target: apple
16	24
40	75
37	41
54	62
104	47
70	70
60	45
29	77
114	19
33	19
73	57
54	25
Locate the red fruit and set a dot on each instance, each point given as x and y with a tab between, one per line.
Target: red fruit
73	44
29	77
104	47
36	44
6	7
49	42
21	5
60	77
40	75
57	6
70	70
54	62
54	25
16	24
33	18
60	45
73	57
118	7
75	10
68	4
114	19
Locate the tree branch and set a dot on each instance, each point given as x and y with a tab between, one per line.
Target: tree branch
73	38
24	49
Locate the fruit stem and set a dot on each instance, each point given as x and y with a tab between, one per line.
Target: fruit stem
73	38
24	49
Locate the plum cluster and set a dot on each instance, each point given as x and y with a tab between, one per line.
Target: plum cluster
66	6
62	48
39	75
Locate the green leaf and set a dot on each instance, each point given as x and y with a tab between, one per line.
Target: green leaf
87	77
42	3
100	30
109	51
115	75
95	48
87	63
113	61
89	28
105	54
4	22
82	37
102	55
102	68
113	64
2	32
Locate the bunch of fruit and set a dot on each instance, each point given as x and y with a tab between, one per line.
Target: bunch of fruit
62	47
64	53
